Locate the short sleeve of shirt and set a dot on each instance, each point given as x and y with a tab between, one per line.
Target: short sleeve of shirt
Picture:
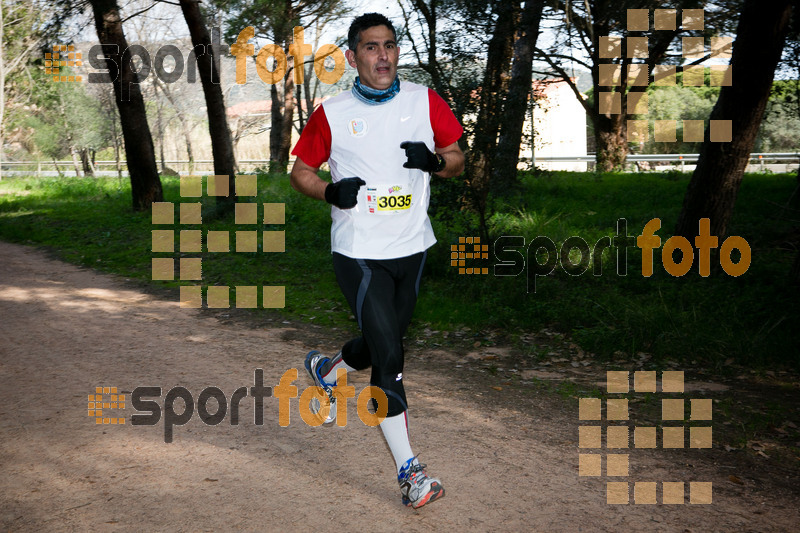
446	129
314	144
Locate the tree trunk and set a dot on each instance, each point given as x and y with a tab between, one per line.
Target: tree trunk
516	106
610	131
86	163
301	120
489	116
715	183
187	131
432	67
236	136
308	95
276	127
611	141
118	163
288	120
58	169
75	163
139	152
591	21
187	134
208	69
2	89
160	127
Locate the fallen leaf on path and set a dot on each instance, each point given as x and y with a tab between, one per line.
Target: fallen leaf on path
497	388
735	479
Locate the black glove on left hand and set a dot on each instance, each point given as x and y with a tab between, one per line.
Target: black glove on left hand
420	157
344	193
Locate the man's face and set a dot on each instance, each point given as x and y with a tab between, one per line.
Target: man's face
375	57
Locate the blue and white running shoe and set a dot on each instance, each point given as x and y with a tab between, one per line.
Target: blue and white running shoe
313	363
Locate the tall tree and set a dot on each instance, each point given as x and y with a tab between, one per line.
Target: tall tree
429	13
104	95
139	151
586	26
715	182
493	89
280	135
275	21
180	112
445	38
20	37
516	104
208	69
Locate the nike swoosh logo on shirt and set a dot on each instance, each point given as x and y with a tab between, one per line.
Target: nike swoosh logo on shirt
403	119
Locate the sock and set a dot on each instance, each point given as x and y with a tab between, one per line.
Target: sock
331	366
395	431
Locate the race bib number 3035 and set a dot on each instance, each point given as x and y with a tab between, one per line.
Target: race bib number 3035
387	200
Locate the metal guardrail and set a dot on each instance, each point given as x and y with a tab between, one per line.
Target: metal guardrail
108	168
760	159
68	163
687	158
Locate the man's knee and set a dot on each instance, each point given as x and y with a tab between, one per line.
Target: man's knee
356	354
392	386
387	356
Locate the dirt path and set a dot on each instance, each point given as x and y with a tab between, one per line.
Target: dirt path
508	462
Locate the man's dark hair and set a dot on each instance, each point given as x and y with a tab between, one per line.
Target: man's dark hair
364	22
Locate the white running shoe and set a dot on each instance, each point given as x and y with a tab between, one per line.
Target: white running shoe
415	485
314	361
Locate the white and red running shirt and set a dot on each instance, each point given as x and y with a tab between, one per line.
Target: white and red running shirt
390	219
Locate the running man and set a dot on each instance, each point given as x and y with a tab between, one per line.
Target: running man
383	139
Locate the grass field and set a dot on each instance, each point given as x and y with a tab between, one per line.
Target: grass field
749	319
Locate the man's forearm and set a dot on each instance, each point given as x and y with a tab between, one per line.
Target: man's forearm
454	164
306	181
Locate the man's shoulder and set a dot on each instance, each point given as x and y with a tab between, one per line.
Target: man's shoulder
341	98
409	86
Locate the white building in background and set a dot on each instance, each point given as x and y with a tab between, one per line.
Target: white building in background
559	123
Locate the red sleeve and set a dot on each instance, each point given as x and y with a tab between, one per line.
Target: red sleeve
446	129
314	144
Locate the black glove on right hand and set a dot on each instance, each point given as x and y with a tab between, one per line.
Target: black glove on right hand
344	193
419	156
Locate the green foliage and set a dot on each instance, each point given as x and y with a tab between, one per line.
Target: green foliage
710	320
780	129
23	22
678	103
64	117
